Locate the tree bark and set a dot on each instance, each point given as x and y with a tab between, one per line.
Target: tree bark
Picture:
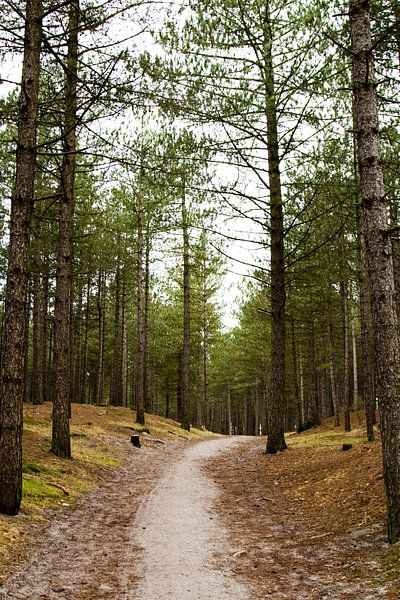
61	443
355	366
197	413
140	415
124	345
346	354
13	368
77	358
186	318
45	334
276	430
101	337
332	370
379	253
85	344
115	383
37	391
299	411
146	337
313	412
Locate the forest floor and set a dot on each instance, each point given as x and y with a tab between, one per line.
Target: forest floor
209	519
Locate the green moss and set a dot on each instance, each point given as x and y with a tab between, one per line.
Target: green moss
325	438
31	468
31	421
34	488
391	563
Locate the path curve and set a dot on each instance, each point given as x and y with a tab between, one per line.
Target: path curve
98	549
181	534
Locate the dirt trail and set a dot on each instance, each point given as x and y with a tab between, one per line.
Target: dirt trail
181	533
94	550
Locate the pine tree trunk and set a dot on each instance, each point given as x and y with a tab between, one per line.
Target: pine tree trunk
197	415
124	346
85	343
276	431
13	367
115	380
77	377
101	335
346	355
146	338
140	415
355	366
365	320
45	335
61	443
206	399
256	410
37	394
229	412
379	253
299	412
185	423
167	402
313	412
26	346
332	370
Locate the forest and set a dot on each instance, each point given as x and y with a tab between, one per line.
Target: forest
200	218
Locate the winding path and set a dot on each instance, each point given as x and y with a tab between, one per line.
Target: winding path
149	532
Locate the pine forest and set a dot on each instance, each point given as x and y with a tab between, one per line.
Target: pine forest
200	223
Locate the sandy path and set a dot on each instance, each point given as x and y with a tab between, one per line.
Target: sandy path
181	534
98	549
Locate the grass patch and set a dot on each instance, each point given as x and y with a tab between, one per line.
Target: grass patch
391	564
30	468
33	487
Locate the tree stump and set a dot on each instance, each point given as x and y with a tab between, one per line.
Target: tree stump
135	440
346	447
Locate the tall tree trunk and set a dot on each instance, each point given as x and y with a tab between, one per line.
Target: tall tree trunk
85	343
26	346
186	318
355	365
37	394
124	345
167	402
379	253
61	443
276	430
178	413
76	380
365	317
146	337
140	415
332	370
197	413
313	412
229	412
13	371
346	354
45	334
256	409
115	379
299	412
101	337
206	399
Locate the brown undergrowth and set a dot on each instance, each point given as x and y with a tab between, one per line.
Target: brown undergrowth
98	439
310	522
